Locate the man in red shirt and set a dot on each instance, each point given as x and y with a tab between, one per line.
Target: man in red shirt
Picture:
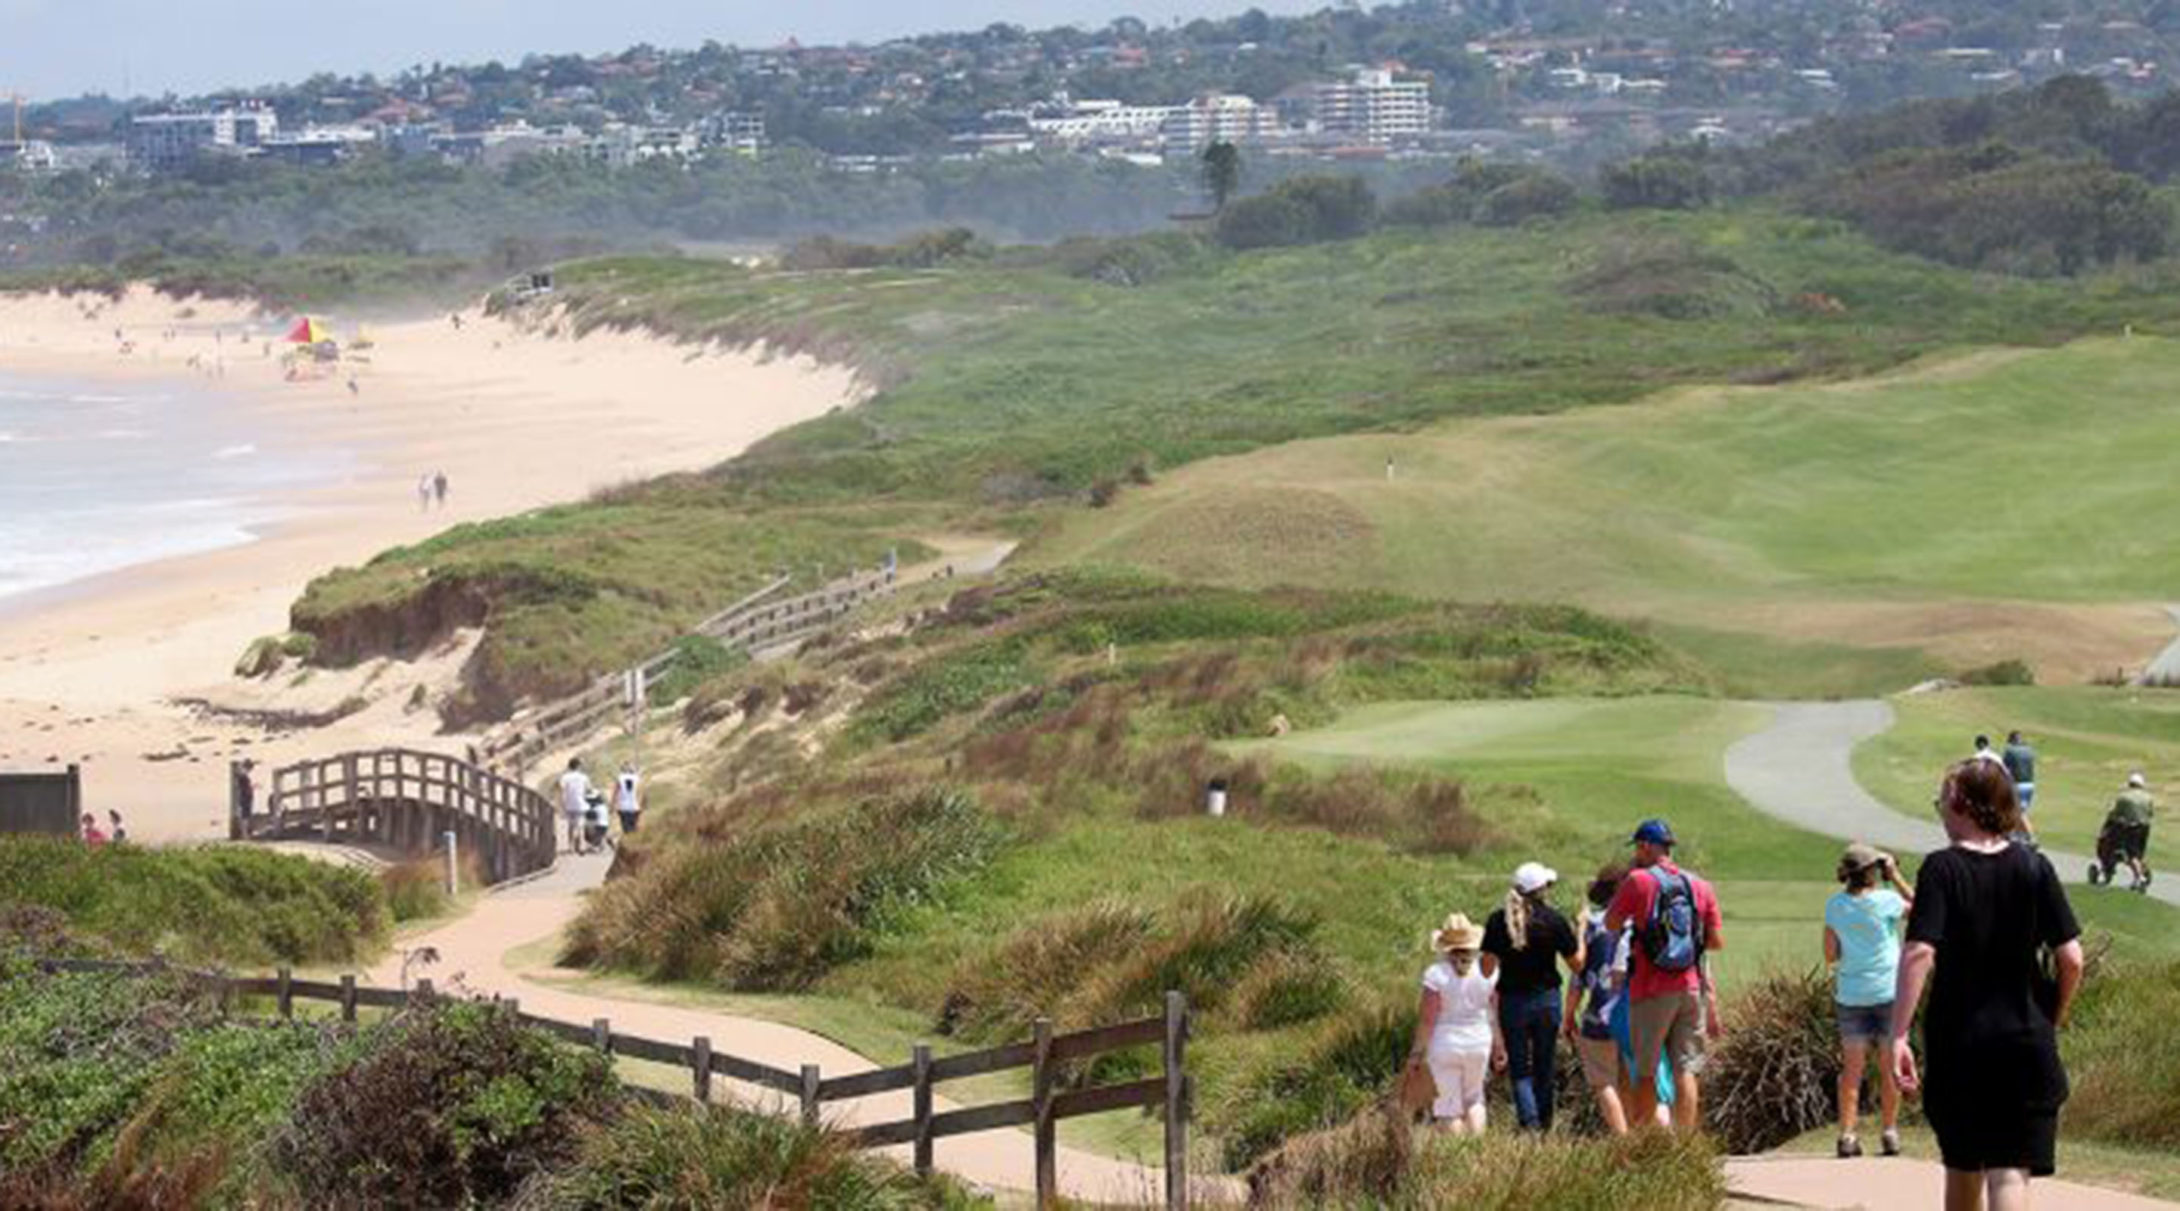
1666	977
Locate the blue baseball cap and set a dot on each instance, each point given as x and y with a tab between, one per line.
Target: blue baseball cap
1655	832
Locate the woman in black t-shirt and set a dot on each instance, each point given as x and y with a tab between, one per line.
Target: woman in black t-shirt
1984	907
1522	944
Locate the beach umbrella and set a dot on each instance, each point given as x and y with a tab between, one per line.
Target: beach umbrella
308	331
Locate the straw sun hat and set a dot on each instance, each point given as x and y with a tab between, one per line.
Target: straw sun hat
1458	933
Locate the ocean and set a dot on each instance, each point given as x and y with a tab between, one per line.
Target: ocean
95	477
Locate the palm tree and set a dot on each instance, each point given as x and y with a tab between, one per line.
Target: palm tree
1222	172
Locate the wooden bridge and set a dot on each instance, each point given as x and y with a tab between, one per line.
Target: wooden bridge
407	800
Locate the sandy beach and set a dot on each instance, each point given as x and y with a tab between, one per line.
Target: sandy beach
91	672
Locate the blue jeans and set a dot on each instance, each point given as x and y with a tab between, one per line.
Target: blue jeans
1530	1023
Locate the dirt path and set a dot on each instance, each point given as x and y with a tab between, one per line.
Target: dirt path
472	953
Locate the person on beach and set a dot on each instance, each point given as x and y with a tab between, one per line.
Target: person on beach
2128	825
439	488
628	798
1599	989
1984	908
595	830
1456	1031
1862	942
118	831
1676	925
575	801
423	493
245	788
1523	944
88	831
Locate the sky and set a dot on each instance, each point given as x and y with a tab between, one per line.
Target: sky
58	48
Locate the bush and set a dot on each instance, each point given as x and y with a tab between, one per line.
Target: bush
225	904
1322	1083
452	1105
2123	1058
700	1157
1304	210
2003	672
776	907
417	889
698	659
1776	1073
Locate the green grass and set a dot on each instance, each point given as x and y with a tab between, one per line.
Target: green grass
1733	513
2088	739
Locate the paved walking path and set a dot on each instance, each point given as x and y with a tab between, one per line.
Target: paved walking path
1800	769
472	954
2165	670
1895	1184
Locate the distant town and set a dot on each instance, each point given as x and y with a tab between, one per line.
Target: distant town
1572	84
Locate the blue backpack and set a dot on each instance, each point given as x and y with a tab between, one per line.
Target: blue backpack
1673	936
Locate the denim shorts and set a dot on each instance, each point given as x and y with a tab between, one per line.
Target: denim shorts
1865	1023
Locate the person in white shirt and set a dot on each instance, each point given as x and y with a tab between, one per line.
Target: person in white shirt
627	801
574	801
1457	1028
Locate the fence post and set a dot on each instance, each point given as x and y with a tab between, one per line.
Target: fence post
454	881
355	805
1048	1136
234	800
810	1095
348	998
1177	1100
601	1035
922	1063
285	993
701	1068
422	991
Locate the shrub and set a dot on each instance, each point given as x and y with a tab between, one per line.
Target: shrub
210	904
1776	1073
775	907
452	1105
1323	1082
698	659
417	888
2123	1058
1304	210
710	1156
2003	672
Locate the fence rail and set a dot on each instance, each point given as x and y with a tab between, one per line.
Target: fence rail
1044	1054
754	622
407	799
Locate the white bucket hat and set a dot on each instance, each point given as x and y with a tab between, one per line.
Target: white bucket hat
2136	779
1532	877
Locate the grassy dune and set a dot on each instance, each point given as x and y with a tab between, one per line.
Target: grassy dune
2020	481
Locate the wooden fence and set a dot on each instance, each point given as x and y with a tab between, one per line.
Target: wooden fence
1045	1054
409	800
754	622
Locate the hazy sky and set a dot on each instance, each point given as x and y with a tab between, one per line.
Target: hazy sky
51	48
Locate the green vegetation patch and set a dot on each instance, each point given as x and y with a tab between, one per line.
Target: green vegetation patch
213	904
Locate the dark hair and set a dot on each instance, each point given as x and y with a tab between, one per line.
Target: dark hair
575	763
2013	737
1983	742
1857	878
1607	882
1982	791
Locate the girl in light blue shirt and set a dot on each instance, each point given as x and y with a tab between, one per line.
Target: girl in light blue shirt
1862	942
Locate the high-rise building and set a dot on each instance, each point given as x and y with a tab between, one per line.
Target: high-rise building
1217	118
162	141
1374	107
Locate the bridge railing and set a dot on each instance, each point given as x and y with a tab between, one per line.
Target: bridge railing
1047	1055
406	799
755	622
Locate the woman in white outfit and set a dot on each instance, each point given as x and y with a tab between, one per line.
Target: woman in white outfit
1457	1028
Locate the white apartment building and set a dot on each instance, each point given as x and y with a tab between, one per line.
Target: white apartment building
1374	107
1217	118
1101	122
162	141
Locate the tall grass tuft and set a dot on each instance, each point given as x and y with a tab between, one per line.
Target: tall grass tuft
1373	1162
1776	1072
712	1156
775	907
2123	1057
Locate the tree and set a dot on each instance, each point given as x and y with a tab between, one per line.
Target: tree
1222	172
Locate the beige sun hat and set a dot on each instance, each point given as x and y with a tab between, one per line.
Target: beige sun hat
1458	933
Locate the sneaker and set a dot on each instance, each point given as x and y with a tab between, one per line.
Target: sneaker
1849	1147
1889	1142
